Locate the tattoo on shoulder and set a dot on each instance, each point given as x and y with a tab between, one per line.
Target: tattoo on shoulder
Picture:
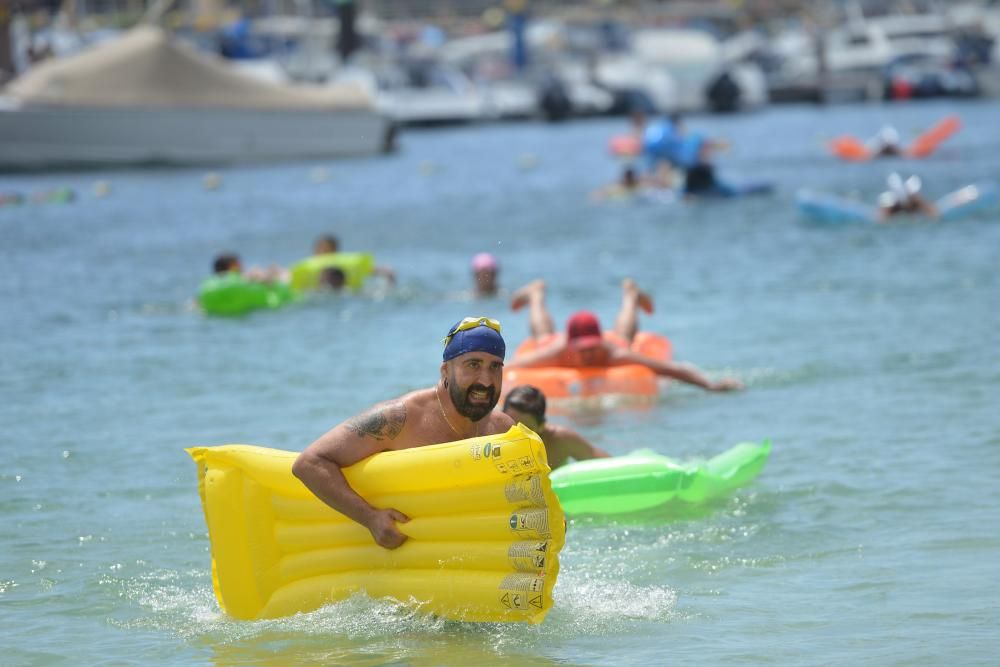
383	422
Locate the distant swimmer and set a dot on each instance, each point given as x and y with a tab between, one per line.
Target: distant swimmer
668	147
886	143
526	404
903	197
632	184
700	179
332	278
460	406
329	244
657	144
584	345
694	148
485	272
629	184
668	141
231	263
326	244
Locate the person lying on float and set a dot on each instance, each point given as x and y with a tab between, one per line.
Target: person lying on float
584	346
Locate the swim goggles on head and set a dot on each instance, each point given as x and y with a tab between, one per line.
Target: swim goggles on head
472	323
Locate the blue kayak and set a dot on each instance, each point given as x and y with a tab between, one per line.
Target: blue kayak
721	190
828	208
822	207
726	189
967	201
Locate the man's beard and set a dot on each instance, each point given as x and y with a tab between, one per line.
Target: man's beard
460	399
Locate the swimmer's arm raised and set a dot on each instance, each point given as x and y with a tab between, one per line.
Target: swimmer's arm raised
547	356
684	372
320	466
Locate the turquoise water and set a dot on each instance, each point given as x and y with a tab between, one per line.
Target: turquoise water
869	354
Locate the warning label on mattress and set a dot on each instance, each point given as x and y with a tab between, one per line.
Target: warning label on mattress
528	556
525	490
521	600
532	522
523	582
522	591
511	458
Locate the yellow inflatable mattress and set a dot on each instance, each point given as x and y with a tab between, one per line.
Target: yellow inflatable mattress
357	266
485	530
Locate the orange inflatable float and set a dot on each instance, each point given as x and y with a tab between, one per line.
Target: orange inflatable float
562	383
853	149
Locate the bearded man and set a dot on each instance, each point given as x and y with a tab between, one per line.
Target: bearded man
459	406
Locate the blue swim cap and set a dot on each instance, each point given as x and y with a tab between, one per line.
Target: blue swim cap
479	337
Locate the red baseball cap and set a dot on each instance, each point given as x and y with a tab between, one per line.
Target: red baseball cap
583	330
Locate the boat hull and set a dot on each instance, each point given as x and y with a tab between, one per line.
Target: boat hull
45	137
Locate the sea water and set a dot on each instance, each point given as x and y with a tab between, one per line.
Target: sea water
869	354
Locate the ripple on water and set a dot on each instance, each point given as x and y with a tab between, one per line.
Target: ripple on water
587	604
866	351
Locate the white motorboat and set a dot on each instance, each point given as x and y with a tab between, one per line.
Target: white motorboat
148	98
511	94
418	91
486	60
856	53
676	68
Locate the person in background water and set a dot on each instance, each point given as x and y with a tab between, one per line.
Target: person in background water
706	147
459	406
485	270
332	278
329	244
695	156
655	141
227	263
903	197
628	185
584	345
231	263
326	245
668	147
700	179
526	404
886	143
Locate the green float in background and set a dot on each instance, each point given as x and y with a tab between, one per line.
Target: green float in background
644	480
232	294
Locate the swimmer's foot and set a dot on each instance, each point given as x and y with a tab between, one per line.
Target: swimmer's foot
631	290
522	296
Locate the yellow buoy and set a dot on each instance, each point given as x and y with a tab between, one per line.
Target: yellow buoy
211	181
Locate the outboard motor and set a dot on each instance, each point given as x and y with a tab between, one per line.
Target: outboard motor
553	99
723	93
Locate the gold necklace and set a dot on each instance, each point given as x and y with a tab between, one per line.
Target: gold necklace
444	414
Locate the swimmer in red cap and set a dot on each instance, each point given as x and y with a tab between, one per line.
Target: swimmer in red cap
584	345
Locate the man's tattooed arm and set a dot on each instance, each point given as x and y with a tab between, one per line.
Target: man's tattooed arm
382	422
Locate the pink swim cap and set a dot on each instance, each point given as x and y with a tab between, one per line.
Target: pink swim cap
484	261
